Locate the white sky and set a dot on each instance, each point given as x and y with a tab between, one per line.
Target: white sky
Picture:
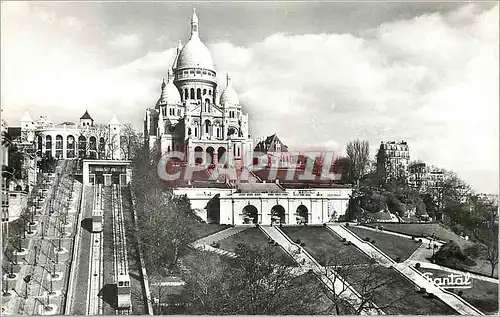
318	74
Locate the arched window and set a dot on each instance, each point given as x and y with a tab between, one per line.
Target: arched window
210	92
218	132
196	131
192	93
186	94
204	91
179	112
198	93
207	126
164	111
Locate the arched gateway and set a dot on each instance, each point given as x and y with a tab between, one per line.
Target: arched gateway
278	215
250	214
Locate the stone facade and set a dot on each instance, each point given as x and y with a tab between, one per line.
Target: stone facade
190	116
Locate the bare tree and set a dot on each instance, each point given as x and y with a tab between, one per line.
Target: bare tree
493	243
130	141
367	278
358	152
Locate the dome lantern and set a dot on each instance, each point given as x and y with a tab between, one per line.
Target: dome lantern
194	54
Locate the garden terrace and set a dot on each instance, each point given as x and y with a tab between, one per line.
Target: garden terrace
320	242
399	291
254	236
482	295
395	247
422	230
202	230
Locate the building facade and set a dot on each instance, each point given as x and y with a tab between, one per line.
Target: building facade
277	152
69	140
393	159
190	116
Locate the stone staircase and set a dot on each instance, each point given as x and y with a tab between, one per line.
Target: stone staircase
452	300
331	280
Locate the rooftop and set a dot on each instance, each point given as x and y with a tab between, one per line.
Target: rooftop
259	188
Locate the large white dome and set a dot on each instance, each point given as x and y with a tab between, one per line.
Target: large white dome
195	55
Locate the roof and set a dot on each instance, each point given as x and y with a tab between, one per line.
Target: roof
269	144
114	120
259	188
26	117
86	116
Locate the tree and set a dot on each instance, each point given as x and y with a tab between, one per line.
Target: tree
255	282
358	152
130	141
343	166
493	243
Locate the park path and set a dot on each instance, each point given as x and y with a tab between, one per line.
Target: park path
452	300
332	280
428	265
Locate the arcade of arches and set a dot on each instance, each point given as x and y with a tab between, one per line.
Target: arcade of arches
250	214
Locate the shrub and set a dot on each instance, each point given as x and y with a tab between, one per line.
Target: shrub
367	239
373	241
349	243
302	244
381	228
270	241
420	240
298	241
324	225
347	224
256	225
344	240
430	295
460	293
452	256
423	290
417	265
398	259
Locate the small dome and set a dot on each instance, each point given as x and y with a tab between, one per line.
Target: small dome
229	96
169	92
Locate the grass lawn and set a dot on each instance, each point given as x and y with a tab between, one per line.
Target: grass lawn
394	246
399	292
423	230
321	243
483	295
254	236
202	230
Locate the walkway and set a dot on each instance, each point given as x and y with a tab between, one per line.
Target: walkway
452	300
333	281
433	266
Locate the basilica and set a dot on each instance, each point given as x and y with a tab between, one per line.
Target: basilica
191	117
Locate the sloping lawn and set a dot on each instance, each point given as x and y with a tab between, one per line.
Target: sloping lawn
202	230
321	243
483	295
422	230
254	236
397	293
395	247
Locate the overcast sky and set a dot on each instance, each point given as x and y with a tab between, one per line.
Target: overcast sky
318	74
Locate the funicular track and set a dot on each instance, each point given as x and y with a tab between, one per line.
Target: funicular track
94	302
121	265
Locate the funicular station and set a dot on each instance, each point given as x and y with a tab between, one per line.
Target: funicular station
106	172
116	174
